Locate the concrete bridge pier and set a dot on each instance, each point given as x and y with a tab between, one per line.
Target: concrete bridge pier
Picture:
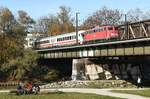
78	69
74	69
83	69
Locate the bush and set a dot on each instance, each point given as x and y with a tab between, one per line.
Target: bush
52	75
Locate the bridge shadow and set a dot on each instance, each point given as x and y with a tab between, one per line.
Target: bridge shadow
113	68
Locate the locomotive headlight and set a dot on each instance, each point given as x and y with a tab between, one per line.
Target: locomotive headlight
112	34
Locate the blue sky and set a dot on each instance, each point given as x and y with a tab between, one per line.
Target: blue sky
39	8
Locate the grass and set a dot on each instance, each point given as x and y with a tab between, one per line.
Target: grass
145	92
7	87
56	96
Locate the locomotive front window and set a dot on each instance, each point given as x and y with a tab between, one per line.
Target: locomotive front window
104	28
110	28
116	28
83	34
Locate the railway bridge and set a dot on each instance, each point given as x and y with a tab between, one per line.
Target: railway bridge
127	57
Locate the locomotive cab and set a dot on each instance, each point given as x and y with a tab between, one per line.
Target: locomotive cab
112	32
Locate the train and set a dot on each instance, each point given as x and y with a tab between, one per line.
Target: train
95	34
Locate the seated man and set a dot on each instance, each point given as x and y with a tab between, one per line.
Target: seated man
35	89
20	88
28	88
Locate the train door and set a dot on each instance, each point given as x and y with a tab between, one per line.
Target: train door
54	42
106	32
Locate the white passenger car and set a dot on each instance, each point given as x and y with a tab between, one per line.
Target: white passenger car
60	40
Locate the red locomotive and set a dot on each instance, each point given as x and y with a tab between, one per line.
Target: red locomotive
101	33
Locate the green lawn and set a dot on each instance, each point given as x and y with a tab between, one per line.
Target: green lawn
145	92
7	87
55	96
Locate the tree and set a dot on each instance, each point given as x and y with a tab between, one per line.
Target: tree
7	20
45	25
8	39
8	48
137	14
25	19
146	15
65	20
9	25
103	16
134	15
51	75
12	40
9	52
54	25
15	61
20	67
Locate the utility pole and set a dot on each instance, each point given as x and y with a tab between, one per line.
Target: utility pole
126	26
125	18
77	13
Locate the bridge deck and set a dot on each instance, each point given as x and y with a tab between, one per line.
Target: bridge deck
117	48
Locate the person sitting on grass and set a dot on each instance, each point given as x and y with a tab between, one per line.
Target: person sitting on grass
28	87
20	88
35	89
